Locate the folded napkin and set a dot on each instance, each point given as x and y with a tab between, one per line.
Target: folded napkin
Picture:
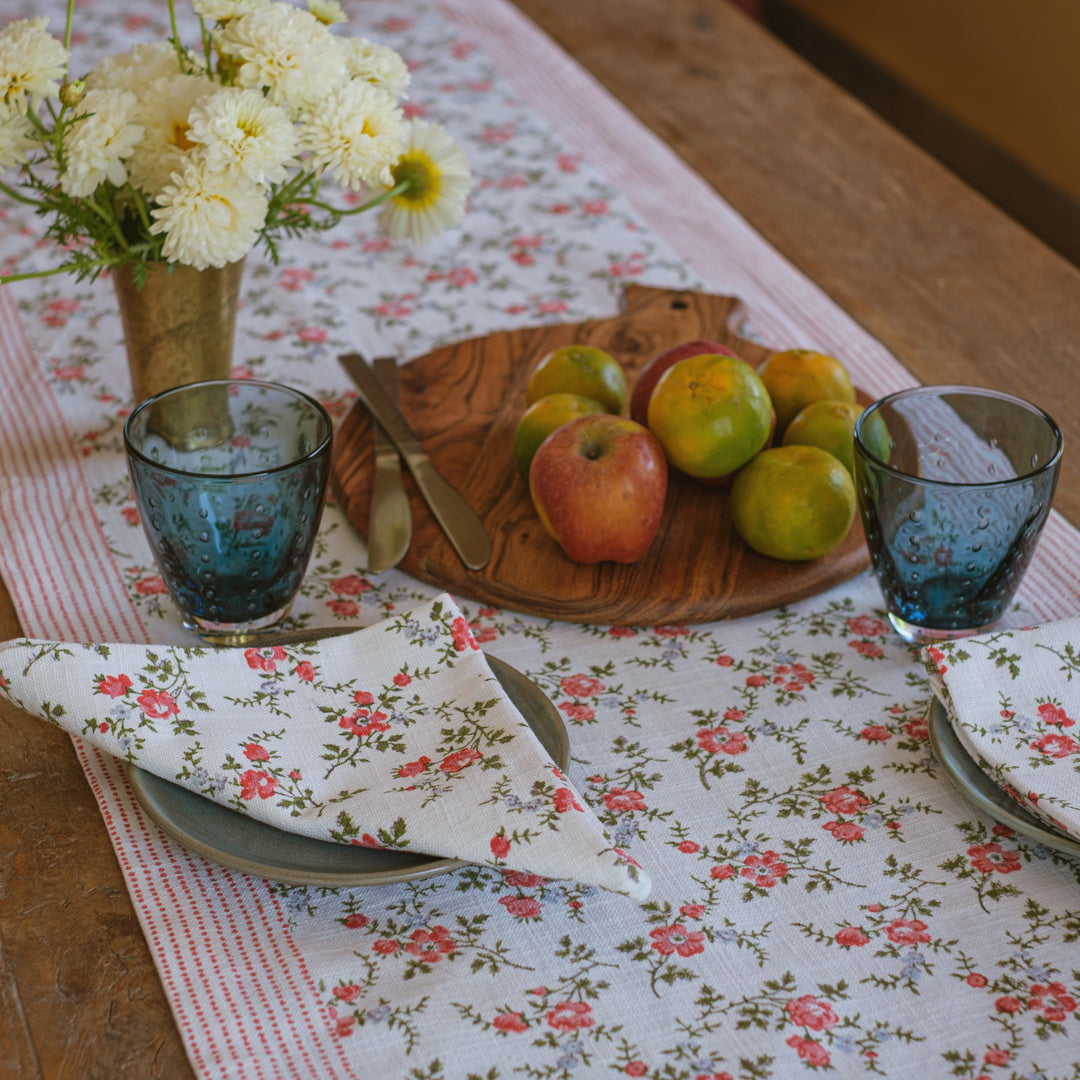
395	736
1013	698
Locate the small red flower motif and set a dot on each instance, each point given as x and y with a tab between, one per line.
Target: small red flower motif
386	946
432	945
869	649
867	626
344	608
564	801
1054	714
355	921
264	659
349	993
1008	1004
1055	746
844	800
986	858
875	733
907	932
570	1016
722	873
764	870
813	1053
810	1012
151	586
509	1022
255	752
524	907
677	939
305	670
114	686
688	847
997	1056
582	686
415	768
580	714
722	741
462	635
621	801
976	980
460	759
500	847
402	679
851	937
256	782
636	1068
1053	1001
352	585
157	704
845	831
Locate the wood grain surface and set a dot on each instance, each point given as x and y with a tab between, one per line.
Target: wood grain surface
464	402
956	290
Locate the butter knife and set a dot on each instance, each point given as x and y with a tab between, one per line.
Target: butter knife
458	520
390	520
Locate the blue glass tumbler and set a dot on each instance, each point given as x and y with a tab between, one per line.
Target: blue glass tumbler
230	480
954	485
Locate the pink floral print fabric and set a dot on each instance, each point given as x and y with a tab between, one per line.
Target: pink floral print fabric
1013	698
394	736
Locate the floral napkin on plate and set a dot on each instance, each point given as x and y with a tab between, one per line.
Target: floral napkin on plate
398	736
1013	697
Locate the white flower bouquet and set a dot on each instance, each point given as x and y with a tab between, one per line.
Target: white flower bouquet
168	154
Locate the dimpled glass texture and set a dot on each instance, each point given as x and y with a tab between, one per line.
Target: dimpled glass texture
954	485
230	479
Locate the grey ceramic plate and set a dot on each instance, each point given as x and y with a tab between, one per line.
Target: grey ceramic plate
237	841
982	791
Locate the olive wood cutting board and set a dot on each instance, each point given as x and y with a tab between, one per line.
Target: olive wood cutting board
464	401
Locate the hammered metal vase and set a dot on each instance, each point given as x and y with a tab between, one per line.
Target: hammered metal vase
179	327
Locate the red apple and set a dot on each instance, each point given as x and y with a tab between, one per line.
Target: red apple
651	372
598	484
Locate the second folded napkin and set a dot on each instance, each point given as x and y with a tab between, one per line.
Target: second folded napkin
1013	698
397	736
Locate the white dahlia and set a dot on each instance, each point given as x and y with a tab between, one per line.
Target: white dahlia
327	12
209	219
243	132
439	181
32	64
285	51
97	146
164	110
356	135
224	10
377	64
136	69
15	134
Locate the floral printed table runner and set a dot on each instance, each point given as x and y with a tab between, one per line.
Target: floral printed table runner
821	895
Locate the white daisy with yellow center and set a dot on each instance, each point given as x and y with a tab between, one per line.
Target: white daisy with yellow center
438	177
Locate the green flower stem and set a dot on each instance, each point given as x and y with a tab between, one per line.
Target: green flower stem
67	25
109	219
13	193
175	31
397	189
7	278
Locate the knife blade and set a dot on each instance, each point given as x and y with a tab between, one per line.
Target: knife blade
462	525
390	520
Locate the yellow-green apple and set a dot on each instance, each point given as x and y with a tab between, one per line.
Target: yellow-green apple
598	484
651	372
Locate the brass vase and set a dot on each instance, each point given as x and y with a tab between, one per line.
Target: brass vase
179	327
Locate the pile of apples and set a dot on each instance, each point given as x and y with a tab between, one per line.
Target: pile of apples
598	480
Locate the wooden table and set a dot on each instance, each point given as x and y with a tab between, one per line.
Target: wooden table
954	289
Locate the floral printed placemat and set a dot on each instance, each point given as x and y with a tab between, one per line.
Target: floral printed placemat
1013	702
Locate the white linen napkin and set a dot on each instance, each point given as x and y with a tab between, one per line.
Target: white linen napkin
397	736
1013	698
